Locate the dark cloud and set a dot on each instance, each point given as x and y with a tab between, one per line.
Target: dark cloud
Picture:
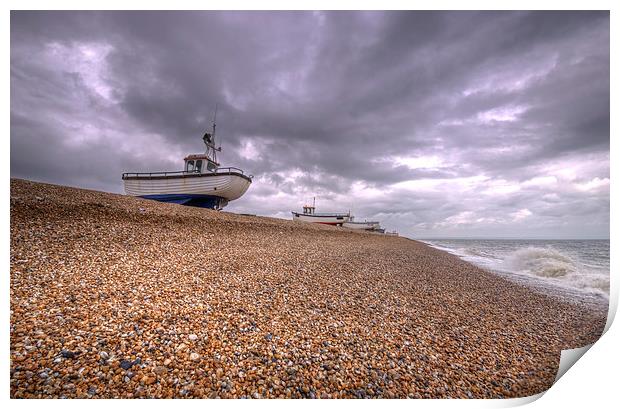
438	123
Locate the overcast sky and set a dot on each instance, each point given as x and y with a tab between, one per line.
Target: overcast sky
437	124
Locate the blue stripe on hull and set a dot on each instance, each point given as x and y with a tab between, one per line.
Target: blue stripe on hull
206	201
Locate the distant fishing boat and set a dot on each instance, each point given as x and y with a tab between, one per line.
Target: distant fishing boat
365	225
202	183
309	215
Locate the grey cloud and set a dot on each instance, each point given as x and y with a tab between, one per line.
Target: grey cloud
333	95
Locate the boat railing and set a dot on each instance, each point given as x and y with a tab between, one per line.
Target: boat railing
327	214
229	169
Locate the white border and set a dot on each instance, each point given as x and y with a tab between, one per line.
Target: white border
588	383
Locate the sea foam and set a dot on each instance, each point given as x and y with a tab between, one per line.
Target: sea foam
543	262
574	269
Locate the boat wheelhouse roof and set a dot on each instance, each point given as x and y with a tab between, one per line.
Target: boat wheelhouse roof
199	156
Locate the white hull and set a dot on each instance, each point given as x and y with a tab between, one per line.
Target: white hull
361	225
330	219
227	186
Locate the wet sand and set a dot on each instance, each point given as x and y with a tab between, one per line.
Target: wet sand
118	297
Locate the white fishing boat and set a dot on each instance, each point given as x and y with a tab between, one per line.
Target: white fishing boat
365	225
310	216
202	182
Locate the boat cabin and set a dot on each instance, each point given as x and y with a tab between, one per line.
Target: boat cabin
200	164
308	209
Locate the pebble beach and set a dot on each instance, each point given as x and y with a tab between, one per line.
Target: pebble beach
118	297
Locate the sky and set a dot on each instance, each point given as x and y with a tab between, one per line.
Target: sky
437	124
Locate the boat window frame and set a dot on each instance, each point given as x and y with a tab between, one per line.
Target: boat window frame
198	168
211	166
187	163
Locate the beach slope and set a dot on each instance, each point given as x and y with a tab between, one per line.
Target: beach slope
119	297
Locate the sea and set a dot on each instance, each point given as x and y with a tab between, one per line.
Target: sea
574	270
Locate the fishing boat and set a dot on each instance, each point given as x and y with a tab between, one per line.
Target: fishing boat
310	216
365	225
202	182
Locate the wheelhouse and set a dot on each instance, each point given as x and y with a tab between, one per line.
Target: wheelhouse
200	164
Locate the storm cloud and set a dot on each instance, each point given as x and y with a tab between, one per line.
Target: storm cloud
438	124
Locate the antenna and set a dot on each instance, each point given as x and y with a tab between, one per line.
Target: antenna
214	116
215	150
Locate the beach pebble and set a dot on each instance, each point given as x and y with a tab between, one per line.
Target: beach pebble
125	364
112	302
159	370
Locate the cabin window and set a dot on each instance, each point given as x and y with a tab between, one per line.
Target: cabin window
212	167
190	165
198	166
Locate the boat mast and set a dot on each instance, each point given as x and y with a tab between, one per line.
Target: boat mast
214	150
209	140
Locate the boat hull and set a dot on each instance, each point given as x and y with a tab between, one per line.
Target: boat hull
333	220
361	225
212	191
206	201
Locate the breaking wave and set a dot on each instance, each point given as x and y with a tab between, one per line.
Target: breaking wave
541	262
570	268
